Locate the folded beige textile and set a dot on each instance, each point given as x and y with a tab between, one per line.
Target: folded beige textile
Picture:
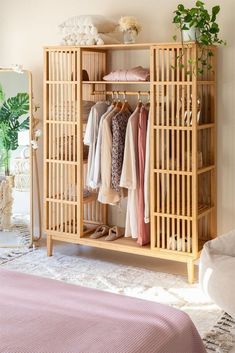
135	74
91	39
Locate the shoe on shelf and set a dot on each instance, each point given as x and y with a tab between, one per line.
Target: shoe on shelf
115	233
100	232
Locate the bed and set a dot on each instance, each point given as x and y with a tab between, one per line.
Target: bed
40	315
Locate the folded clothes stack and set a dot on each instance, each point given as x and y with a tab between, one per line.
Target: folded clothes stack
138	73
89	30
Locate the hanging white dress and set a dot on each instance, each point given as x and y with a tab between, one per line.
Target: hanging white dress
129	176
96	179
90	137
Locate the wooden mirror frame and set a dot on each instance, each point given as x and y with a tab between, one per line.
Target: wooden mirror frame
34	178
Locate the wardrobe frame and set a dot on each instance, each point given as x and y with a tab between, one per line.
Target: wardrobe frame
181	176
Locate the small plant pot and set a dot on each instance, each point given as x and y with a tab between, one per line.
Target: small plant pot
11	180
190	35
6	200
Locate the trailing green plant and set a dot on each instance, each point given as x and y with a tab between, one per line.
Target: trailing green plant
12	120
206	31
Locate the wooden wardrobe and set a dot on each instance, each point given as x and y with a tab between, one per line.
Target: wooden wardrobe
183	147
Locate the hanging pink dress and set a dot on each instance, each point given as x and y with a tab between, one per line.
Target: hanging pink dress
143	228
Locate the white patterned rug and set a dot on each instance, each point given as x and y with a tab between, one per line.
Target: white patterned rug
18	238
126	280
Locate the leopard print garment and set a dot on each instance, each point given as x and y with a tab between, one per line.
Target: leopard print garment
119	125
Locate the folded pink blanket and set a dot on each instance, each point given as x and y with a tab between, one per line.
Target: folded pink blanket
39	315
136	74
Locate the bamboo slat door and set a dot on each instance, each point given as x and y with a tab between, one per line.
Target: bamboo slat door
183	151
60	149
173	168
64	162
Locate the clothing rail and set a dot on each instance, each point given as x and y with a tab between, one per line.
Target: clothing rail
124	93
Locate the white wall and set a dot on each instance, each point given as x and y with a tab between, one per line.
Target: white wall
27	25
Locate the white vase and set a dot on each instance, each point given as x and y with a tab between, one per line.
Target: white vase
190	35
129	36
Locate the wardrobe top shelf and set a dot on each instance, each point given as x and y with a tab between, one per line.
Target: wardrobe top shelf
118	46
156	83
117	82
106	46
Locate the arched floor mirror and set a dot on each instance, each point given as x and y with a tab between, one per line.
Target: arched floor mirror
16	159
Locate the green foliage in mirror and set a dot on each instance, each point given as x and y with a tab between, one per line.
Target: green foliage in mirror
12	120
2	95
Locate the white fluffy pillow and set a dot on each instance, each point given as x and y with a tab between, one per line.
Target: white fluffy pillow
92	24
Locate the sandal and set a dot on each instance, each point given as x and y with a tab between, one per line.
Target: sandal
115	233
100	232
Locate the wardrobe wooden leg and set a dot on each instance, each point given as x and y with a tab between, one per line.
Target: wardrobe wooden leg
191	271
49	245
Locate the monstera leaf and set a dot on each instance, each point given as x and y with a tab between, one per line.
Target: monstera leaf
13	108
13	120
9	138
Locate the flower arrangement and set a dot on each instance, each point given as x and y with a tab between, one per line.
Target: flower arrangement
127	23
37	135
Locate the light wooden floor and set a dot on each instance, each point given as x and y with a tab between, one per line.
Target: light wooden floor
149	263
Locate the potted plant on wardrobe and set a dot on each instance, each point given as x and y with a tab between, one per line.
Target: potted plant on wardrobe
13	118
198	24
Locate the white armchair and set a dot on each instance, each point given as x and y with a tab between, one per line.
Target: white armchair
217	271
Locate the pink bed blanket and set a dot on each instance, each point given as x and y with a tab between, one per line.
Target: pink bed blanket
39	315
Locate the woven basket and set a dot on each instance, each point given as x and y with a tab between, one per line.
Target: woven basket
64	143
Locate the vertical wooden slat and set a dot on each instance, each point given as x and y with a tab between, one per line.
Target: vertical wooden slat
194	161
162	156
178	124
167	154
171	123
189	157
168	161
153	66
63	136
53	140
45	113
79	145
183	151
156	148
157	68
163	244
213	218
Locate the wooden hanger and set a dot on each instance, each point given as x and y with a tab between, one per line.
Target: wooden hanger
139	105
119	103
113	103
125	105
147	104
